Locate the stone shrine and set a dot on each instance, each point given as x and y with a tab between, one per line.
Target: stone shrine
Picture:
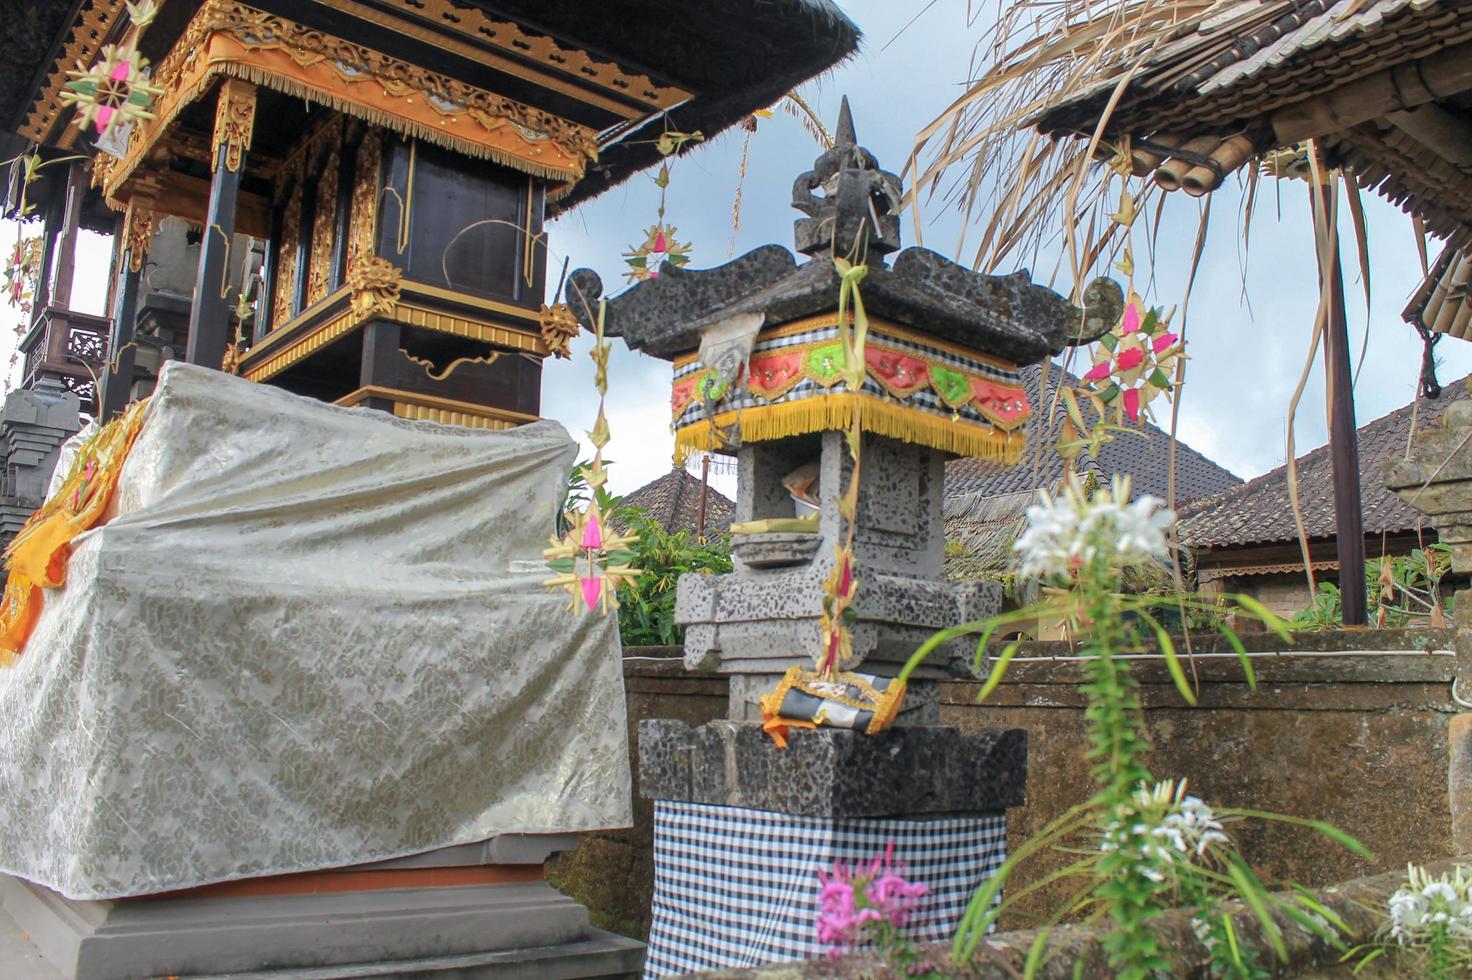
760	372
343	200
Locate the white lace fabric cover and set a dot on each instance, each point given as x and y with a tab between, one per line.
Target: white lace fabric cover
300	645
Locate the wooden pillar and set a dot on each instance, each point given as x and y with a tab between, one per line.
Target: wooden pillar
117	382
1344	450
381	357
66	259
209	318
51	228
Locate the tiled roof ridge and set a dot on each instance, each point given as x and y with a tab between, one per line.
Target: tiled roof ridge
1392	422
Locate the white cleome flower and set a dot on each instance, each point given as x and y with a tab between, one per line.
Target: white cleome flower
1066	532
1426	906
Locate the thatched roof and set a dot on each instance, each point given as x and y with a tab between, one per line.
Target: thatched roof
1260	511
1383	84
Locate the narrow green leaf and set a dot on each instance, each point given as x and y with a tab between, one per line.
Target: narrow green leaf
998	669
1236	643
1369	958
1232	944
1172	662
1308	901
1034	961
1250	890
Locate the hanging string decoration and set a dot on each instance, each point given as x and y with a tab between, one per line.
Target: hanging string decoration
1134	361
22	272
660	247
591	560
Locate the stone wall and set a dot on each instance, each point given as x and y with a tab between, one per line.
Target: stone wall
1351	728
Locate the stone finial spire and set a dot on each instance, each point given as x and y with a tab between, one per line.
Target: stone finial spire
843	134
852	206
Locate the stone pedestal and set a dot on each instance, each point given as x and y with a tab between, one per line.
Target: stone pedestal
480	910
764	616
35	424
741	829
1436	479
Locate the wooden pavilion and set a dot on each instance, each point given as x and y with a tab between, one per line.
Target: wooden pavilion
392	161
1383	87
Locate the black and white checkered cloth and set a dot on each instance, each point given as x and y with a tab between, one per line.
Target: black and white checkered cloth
735	887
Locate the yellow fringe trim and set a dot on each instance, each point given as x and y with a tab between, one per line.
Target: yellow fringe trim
836	412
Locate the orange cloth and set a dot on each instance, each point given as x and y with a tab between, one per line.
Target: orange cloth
37	558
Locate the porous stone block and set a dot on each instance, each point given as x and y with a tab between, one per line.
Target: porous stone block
1459	781
831	772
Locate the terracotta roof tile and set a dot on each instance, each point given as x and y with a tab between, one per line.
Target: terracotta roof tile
1146	458
1260	510
674	501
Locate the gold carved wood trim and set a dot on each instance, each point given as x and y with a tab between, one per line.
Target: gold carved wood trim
427	291
286	270
82	43
305	343
234	40
518	49
292	342
324	228
446	411
235	121
138	225
363	219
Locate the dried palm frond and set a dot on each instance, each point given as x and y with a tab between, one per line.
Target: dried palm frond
983	154
797	107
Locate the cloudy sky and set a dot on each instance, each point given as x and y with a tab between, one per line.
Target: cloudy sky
1250	317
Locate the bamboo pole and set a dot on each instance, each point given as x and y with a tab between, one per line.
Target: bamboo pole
1170	174
1202	180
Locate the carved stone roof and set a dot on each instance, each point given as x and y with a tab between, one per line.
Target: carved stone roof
856	216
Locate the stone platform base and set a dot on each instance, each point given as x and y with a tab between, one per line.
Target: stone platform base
513	930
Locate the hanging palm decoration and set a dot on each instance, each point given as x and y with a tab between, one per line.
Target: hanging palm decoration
114	92
1134	361
591	559
660	248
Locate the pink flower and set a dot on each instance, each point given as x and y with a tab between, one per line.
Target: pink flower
895	898
851	898
1129	358
1163	341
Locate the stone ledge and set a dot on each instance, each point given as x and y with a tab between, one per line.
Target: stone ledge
905	771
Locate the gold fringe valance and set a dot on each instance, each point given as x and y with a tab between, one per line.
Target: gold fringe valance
836	412
231	40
